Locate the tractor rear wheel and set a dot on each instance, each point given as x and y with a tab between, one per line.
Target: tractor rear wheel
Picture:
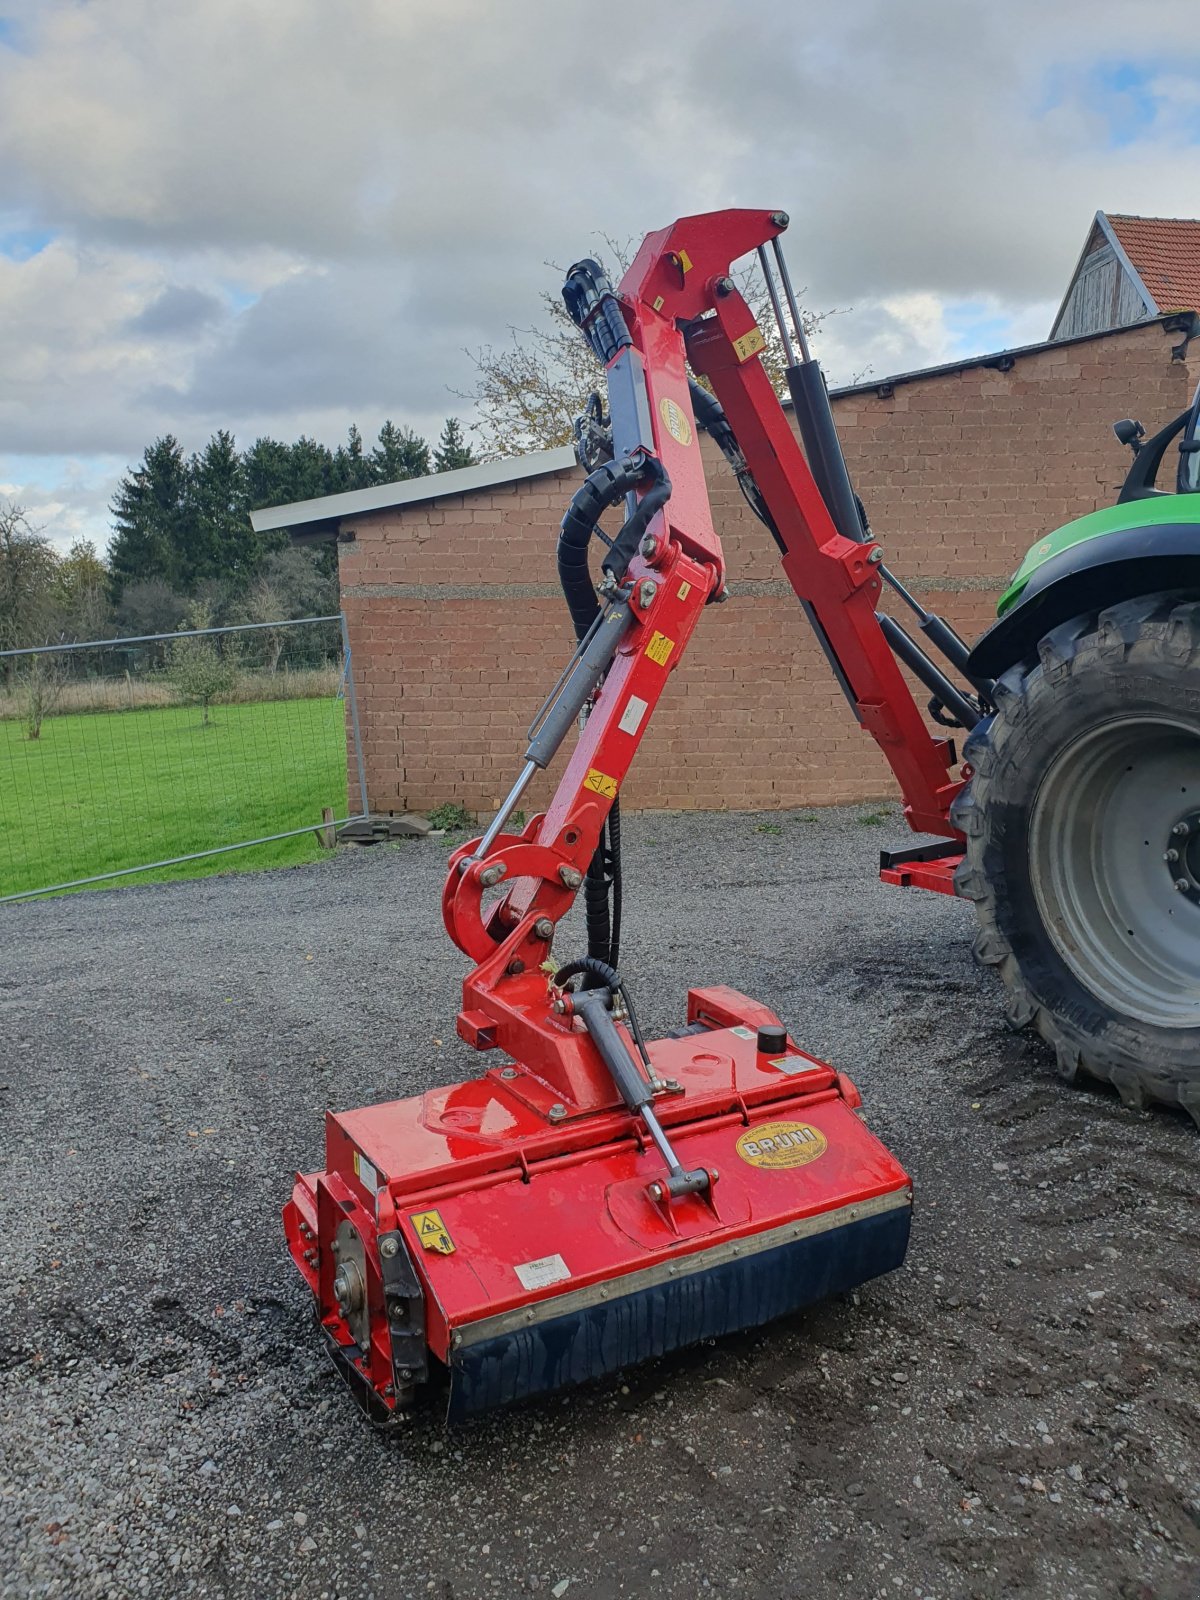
1082	822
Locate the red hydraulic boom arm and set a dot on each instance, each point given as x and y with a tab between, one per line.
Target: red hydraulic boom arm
677	305
597	1198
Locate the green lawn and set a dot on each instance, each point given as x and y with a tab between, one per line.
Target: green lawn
113	789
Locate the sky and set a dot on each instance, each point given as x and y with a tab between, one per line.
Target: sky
284	218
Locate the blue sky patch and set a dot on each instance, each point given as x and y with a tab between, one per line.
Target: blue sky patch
976	327
1129	96
18	244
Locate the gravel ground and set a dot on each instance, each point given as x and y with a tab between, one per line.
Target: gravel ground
1013	1414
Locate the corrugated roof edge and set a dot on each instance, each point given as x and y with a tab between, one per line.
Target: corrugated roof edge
331	508
1003	359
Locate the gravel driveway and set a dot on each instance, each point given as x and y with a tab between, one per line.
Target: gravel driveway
1014	1414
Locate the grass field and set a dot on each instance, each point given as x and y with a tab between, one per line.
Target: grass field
109	790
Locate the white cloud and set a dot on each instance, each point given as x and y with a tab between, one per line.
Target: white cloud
277	218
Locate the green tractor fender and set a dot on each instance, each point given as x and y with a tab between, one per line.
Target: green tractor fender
1081	813
1148	543
1140	547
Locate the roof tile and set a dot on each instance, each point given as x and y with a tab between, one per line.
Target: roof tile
1165	252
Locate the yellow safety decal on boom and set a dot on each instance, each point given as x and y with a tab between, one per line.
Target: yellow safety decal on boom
432	1231
749	344
683	591
601	783
685	261
659	302
660	647
775	1145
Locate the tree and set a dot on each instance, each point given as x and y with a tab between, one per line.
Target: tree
293	583
28	572
201	669
312	471
452	450
221	544
41	679
151	511
399	454
82	593
150	606
351	468
529	392
269	472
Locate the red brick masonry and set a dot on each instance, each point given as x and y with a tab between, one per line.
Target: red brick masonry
458	630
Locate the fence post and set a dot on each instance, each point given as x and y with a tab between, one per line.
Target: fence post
364	808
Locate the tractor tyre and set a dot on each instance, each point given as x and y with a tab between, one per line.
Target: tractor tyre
1082	827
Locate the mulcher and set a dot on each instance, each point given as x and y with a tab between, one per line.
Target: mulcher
597	1198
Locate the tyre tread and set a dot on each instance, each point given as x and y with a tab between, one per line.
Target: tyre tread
1161	626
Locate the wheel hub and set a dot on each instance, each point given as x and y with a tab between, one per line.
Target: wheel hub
1114	856
1182	856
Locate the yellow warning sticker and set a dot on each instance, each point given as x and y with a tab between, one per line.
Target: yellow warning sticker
432	1231
675	420
685	261
775	1145
660	647
601	783
683	591
749	344
659	302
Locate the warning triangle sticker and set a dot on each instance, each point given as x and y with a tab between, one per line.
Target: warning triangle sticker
432	1231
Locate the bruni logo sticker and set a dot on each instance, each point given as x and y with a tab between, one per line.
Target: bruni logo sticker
776	1145
675	420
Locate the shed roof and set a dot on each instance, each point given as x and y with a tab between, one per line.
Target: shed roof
323	514
315	519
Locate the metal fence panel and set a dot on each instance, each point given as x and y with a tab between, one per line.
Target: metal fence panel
122	756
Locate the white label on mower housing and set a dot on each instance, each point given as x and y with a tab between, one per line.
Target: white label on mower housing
631	717
793	1065
543	1272
367	1174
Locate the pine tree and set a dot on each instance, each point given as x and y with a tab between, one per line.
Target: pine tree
269	474
150	513
221	544
452	450
399	454
311	471
351	469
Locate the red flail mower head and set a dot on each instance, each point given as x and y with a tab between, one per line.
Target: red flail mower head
468	1234
597	1199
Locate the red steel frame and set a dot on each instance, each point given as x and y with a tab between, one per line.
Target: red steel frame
540	1151
680	307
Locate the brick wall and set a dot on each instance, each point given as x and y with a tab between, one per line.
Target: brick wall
459	630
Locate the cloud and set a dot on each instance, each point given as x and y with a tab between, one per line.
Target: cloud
66	499
281	217
177	312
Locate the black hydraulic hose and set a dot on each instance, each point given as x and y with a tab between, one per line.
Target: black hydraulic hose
594	307
590	966
625	546
601	489
710	415
613	827
595	904
602	892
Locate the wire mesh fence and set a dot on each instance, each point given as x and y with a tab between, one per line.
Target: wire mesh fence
151	755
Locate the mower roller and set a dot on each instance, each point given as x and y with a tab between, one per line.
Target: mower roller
595	1198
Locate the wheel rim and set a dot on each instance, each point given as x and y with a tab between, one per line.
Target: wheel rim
1114	845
